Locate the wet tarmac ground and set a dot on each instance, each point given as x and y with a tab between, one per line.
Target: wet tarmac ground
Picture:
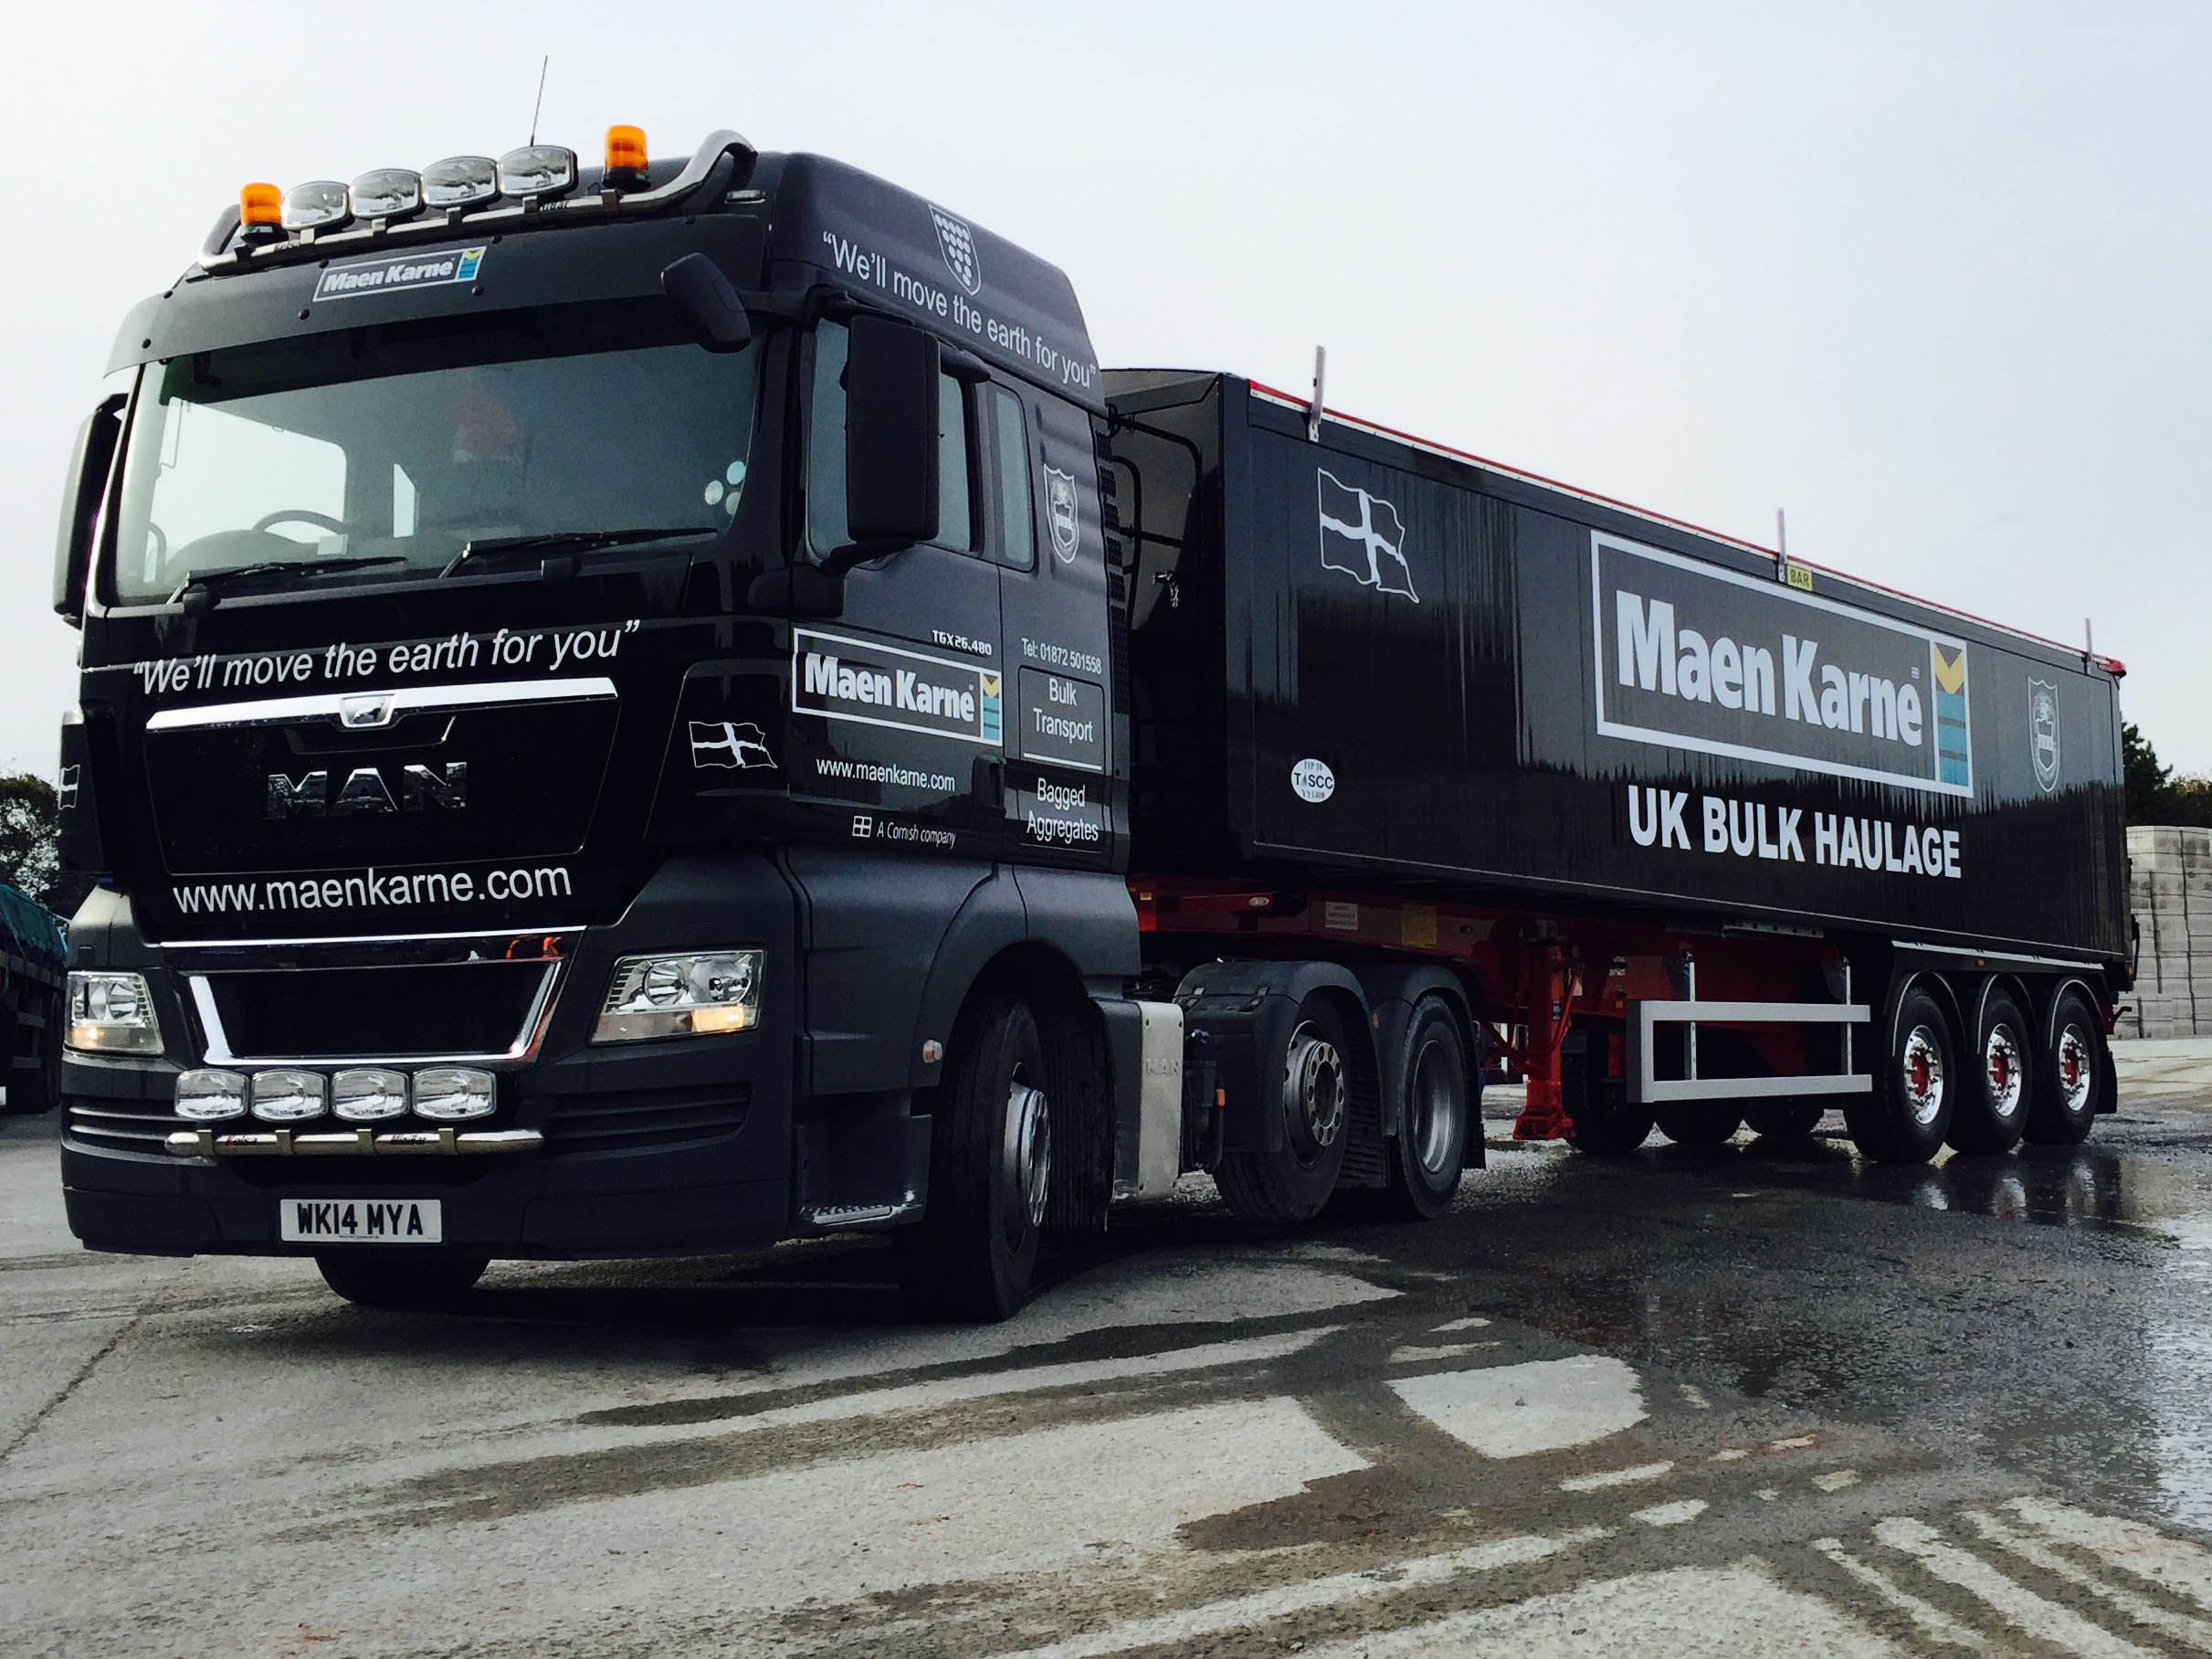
1755	1399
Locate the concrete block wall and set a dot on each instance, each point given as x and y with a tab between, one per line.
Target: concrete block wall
2170	891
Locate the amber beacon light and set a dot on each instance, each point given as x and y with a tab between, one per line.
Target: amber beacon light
625	162
260	209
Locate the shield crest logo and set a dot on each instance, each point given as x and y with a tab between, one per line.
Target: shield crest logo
1059	498
2043	733
957	243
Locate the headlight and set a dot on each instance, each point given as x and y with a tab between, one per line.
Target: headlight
687	996
112	1014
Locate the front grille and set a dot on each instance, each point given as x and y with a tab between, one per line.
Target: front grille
103	1123
659	1118
372	1013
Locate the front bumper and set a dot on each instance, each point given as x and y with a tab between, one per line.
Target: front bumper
637	1149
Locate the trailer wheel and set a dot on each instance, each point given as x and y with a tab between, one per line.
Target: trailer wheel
2070	1085
973	1253
1999	1084
1904	1117
1784	1119
33	1050
1606	1123
394	1276
1430	1147
1699	1122
1291	1183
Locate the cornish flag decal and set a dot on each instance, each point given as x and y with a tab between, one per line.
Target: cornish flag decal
957	243
722	743
1363	536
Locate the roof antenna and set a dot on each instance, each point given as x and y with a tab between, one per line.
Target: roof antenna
1781	547
2089	644
1320	370
543	64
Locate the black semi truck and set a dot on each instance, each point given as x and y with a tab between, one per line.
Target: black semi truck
659	708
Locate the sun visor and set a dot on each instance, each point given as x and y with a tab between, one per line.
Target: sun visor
573	265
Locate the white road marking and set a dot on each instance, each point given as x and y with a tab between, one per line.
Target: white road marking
2128	1545
1729	1454
2024	1608
1671	1514
1836	1480
1614	1477
1543	1405
1685	1613
1468	1324
1795	1442
2141	1608
1241	1612
1934	1623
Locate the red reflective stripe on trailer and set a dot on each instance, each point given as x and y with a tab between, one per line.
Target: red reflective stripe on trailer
2110	665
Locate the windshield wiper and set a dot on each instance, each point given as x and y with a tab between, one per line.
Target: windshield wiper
213	582
569	541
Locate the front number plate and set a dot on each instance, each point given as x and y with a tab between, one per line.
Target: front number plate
360	1221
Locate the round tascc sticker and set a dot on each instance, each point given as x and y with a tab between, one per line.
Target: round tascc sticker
1313	781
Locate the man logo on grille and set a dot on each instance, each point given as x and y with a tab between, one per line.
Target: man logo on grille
957	243
718	743
1363	536
1059	498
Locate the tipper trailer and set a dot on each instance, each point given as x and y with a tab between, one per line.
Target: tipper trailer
662	708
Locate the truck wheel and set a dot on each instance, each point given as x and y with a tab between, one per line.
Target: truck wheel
1784	1119
2070	1084
1904	1117
1698	1124
34	1076
396	1277
1994	1099
1293	1182
973	1253
1430	1148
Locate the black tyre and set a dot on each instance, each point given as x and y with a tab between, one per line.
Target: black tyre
1784	1119
1697	1122
1997	1086
1904	1117
1291	1183
34	1048
395	1276
2071	1080
973	1254
1430	1147
1606	1123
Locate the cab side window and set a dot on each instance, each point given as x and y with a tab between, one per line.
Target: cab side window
825	524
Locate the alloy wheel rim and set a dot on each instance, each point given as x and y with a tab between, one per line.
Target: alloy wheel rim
2075	1070
2005	1076
1028	1166
1314	1093
1921	1066
1433	1097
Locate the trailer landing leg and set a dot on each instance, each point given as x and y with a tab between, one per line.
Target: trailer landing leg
1550	985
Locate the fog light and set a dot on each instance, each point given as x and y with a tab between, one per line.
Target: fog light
451	1094
389	193
538	170
369	1095
111	1014
460	180
319	205
287	1096
696	995
207	1097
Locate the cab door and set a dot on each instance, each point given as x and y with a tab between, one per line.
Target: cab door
898	704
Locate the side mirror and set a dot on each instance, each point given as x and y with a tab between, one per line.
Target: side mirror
891	435
708	304
90	465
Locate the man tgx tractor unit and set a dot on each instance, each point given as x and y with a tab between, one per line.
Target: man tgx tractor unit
666	707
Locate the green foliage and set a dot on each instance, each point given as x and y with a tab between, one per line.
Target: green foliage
2155	796
29	859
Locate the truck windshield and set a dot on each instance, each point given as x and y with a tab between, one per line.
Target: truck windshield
383	453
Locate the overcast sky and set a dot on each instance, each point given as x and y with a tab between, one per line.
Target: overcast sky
1932	276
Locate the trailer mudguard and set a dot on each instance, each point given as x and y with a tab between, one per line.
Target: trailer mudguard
1247	1011
1392	988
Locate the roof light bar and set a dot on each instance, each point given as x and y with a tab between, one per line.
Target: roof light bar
536	171
319	205
460	180
388	193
